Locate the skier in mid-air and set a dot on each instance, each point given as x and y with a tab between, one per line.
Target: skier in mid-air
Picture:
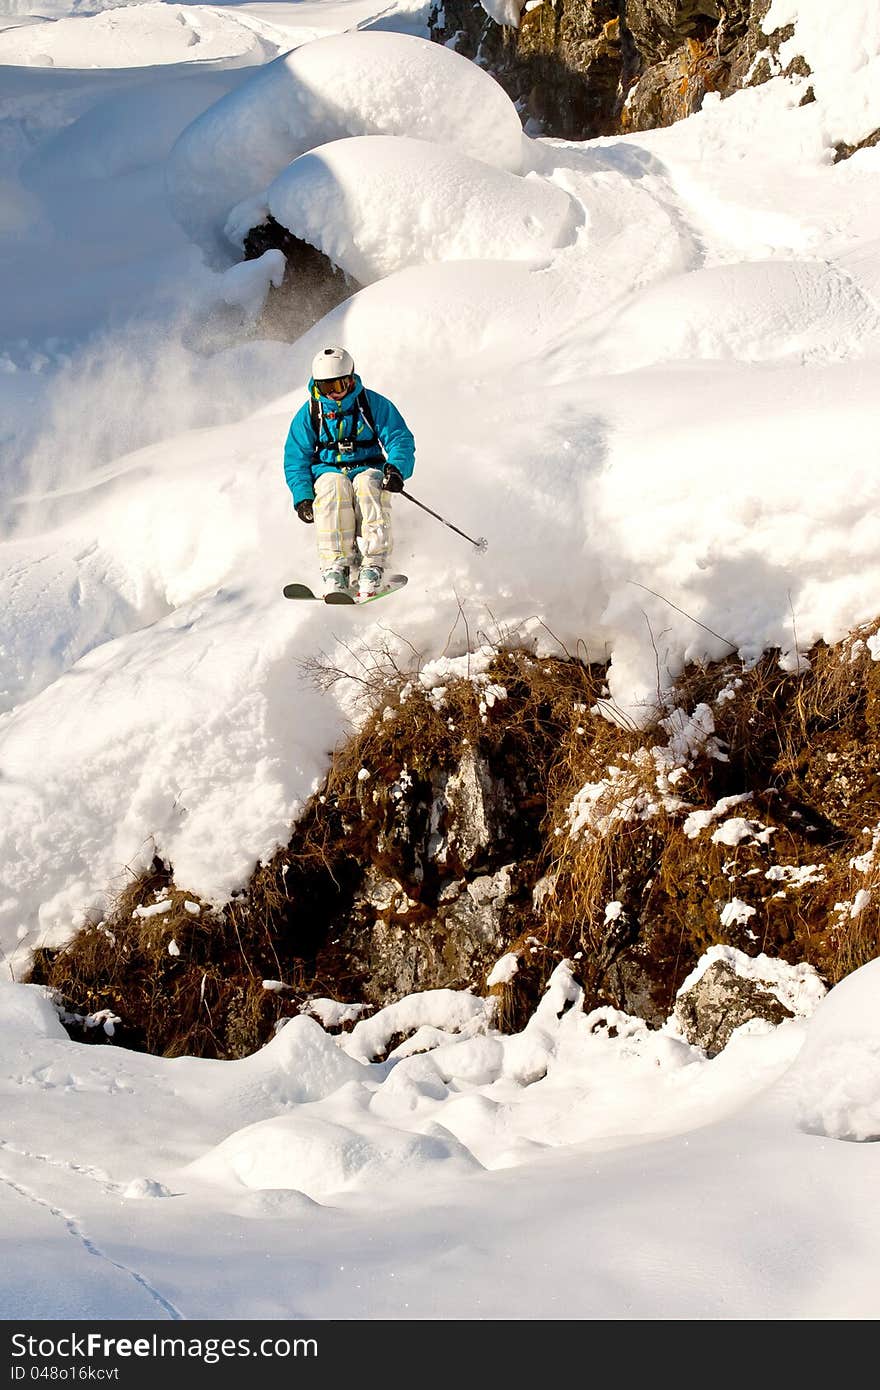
347	449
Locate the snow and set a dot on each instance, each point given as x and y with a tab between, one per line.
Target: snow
835	1078
656	409
345	85
736	912
375	204
697	821
558	1145
142	36
153	909
507	12
844	59
737	829
503	970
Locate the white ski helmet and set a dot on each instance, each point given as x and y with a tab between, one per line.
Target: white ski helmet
331	362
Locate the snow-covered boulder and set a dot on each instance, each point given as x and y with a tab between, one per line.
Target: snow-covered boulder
349	84
728	989
376	204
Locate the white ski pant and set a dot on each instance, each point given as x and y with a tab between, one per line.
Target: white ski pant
352	513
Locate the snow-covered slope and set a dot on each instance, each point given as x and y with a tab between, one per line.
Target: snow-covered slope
677	397
673	395
434	1185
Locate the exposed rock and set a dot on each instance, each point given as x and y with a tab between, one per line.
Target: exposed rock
582	68
687	48
843	151
467	812
659	27
570	59
312	284
562	67
720	1001
401	951
456	849
465	27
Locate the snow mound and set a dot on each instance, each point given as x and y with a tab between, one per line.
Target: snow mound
27	1012
302	1063
348	84
445	1010
142	36
320	1158
376	204
757	311
837	1072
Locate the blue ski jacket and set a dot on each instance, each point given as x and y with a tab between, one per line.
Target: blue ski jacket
328	436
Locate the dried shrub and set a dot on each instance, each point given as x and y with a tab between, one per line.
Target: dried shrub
594	817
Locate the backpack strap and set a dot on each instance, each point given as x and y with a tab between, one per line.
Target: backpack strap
361	405
316	416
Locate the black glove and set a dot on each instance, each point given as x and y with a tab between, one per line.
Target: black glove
305	510
393	479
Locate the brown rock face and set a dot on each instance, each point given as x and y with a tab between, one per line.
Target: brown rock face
659	27
582	68
572	55
687	48
562	67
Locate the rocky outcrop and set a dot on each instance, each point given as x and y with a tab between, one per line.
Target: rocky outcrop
562	67
399	950
843	151
487	820
687	48
581	68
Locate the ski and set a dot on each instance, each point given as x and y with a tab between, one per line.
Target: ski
344	598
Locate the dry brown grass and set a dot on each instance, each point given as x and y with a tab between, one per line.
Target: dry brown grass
179	982
805	744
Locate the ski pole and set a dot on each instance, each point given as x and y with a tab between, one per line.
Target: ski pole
479	544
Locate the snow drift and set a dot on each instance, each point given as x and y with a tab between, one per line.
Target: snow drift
351	84
377	204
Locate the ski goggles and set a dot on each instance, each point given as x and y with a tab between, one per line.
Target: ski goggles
336	386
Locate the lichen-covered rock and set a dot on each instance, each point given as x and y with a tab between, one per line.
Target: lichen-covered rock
400	946
672	88
719	1001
